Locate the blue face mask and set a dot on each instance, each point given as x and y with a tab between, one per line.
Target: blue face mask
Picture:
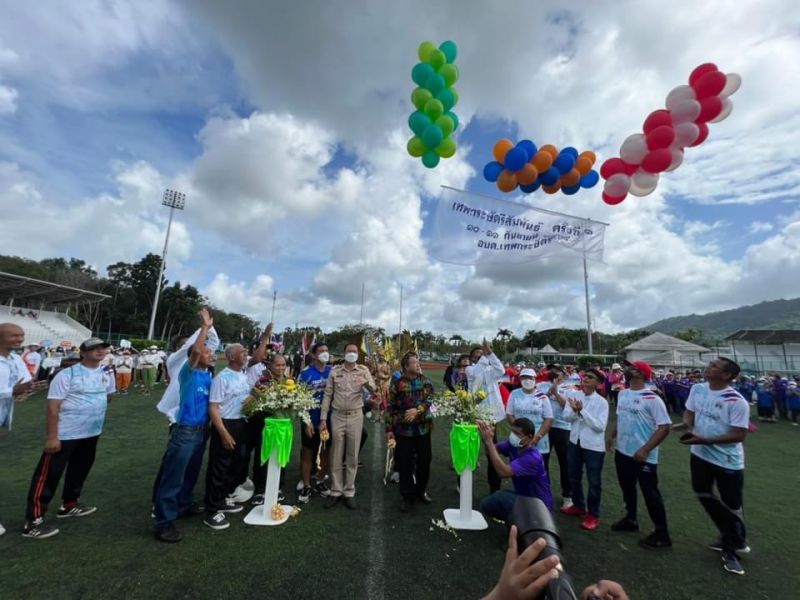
514	440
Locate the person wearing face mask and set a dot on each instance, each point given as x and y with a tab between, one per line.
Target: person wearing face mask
526	402
525	468
343	401
558	437
315	376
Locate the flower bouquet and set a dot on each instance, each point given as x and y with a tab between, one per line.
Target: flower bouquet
462	406
281	400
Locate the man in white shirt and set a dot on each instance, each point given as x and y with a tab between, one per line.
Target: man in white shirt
642	424
717	418
76	411
484	374
588	412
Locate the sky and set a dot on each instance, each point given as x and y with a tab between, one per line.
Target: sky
286	123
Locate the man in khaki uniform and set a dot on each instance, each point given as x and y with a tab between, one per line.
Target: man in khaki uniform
343	399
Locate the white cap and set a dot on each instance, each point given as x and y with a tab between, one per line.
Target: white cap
541	364
615	366
527	373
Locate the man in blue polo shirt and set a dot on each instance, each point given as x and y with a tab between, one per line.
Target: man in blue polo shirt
315	376
173	497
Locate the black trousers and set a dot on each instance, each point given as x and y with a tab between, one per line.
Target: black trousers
559	443
412	459
253	438
726	511
223	465
495	482
77	458
629	473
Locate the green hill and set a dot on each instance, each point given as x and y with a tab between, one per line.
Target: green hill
775	314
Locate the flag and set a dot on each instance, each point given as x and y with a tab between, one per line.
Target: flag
277	342
471	229
364	345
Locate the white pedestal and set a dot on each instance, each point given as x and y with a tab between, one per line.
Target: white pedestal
262	515
464	517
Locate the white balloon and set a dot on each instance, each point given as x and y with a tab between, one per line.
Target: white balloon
685	111
679	94
617	185
633	149
686	134
727	107
643	179
677	159
732	83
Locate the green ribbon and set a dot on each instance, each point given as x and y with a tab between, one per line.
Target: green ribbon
465	445
277	436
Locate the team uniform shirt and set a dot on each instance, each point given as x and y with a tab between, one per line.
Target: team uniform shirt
12	371
84	398
573	381
485	375
639	413
536	407
230	389
528	473
588	426
715	414
123	364
559	422
195	385
764	397
315	379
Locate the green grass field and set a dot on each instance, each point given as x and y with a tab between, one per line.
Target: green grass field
376	551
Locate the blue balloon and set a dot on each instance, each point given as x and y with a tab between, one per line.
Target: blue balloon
450	50
418	121
421	72
549	177
453	116
529	189
569	190
492	171
564	163
590	179
515	159
435	83
570	150
432	136
529	147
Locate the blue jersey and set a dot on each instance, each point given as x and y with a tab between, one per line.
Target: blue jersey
195	387
316	379
764	397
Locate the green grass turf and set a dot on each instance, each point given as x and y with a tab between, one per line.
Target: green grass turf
375	552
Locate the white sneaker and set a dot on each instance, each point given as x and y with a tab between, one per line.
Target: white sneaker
299	487
240	495
395	477
248	485
2	529
567	503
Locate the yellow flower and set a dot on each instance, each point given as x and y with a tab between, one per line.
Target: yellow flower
289	383
461	394
482	395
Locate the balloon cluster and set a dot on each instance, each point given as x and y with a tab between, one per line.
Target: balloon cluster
666	133
545	167
434	120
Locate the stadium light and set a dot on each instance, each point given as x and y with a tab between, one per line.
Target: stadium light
173	200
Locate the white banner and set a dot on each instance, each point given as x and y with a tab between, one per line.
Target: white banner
470	229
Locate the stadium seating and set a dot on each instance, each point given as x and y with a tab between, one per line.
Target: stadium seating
53	326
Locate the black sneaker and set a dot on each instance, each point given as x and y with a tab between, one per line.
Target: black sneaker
332	501
350	503
322	489
281	497
169	534
257	500
730	562
717	547
424	498
218	520
38	529
625	524
76	510
655	541
305	495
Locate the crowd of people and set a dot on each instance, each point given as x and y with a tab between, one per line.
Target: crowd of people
548	408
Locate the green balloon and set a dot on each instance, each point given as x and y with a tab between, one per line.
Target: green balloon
446	124
416	147
447	98
418	122
419	97
425	49
454	91
453	116
434	109
436	59
435	84
430	159
450	74
421	72
447	148
432	136
449	49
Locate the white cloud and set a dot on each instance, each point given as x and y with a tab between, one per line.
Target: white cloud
8	100
760	227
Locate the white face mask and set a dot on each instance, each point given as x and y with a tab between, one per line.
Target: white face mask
351	357
528	384
514	440
323	357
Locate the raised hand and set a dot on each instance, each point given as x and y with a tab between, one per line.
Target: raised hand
205	318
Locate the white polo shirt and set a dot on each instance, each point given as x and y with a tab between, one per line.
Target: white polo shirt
12	371
588	426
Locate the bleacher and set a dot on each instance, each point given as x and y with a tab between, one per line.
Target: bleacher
37	307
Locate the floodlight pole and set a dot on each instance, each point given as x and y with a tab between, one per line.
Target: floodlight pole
174	200
586	293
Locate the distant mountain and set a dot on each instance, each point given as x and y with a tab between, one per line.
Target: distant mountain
775	314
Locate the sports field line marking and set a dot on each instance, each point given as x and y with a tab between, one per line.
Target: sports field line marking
374	583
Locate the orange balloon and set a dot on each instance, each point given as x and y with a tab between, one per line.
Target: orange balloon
590	155
542	161
584	165
500	149
506	181
528	174
551	189
550	149
573	177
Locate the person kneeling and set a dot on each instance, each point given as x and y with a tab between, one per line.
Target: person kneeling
526	468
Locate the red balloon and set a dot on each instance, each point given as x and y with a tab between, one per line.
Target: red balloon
630	169
703	135
709	108
612	200
710	84
657	118
660	137
701	70
657	161
611	167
